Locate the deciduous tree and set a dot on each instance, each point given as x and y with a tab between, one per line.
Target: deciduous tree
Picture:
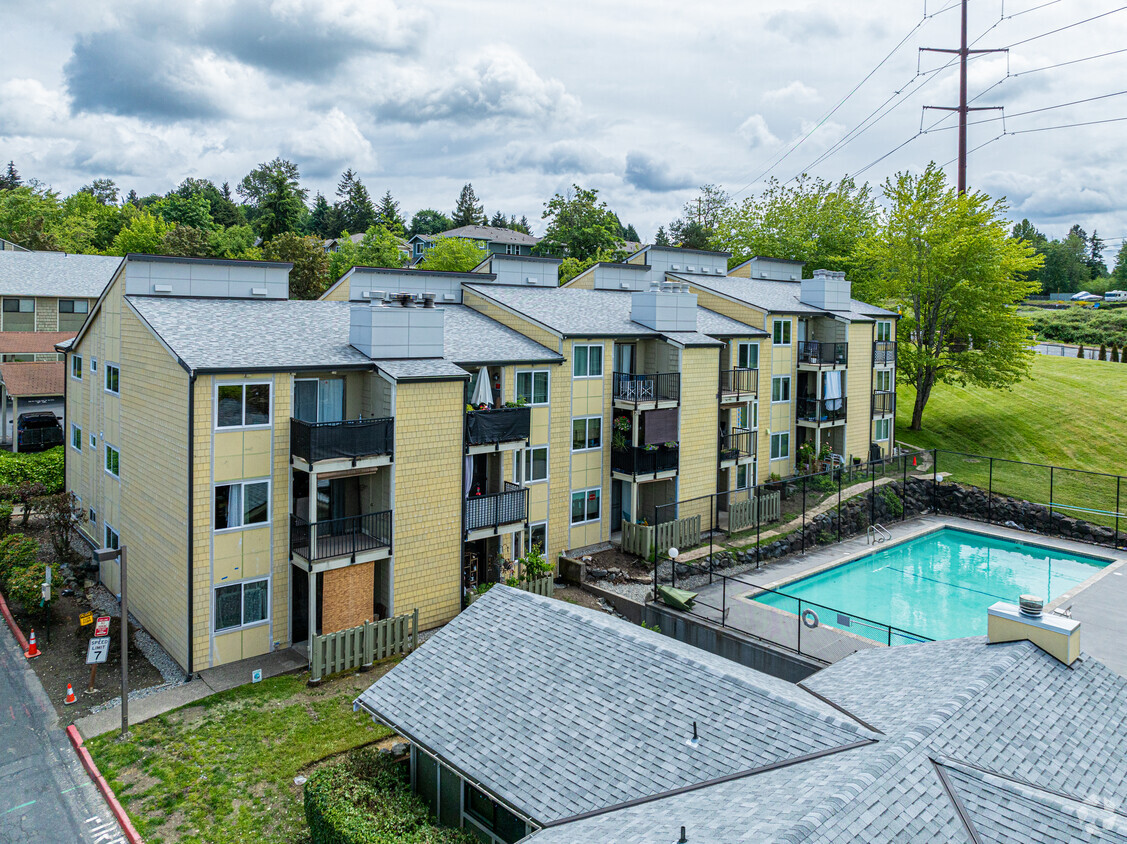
452	254
429	221
378	248
103	190
580	226
29	215
142	235
946	262
185	242
309	277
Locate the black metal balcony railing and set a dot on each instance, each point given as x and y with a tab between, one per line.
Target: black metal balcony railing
823	354
739	443
884	403
739	382
640	461
820	410
506	424
351	438
497	508
884	353
639	389
340	537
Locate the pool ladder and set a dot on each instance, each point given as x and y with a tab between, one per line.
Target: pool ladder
877	534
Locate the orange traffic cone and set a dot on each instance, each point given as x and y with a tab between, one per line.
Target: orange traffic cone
70	698
913	460
32	652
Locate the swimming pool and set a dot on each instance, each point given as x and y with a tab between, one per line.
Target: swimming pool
938	585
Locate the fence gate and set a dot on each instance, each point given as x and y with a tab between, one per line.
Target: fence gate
363	645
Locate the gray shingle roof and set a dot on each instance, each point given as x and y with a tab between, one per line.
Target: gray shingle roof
55	274
573	311
493	233
241	334
561	710
778	296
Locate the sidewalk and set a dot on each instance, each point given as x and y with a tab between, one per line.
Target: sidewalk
211	680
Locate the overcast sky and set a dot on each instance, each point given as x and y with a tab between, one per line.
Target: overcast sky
644	101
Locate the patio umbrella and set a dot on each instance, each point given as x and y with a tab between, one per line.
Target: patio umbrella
482	393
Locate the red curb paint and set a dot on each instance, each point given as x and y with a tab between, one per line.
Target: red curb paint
12	623
92	769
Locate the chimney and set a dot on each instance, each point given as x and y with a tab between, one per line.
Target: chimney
384	331
1056	635
827	290
668	306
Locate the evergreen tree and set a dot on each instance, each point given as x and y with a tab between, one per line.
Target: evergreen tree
1080	351
661	238
468	211
1095	259
388	216
103	190
1103	352
135	200
280	209
322	218
355	211
499	221
1120	271
11	178
525	226
632	234
1114	353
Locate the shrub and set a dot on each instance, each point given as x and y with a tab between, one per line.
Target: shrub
25	586
365	799
63	515
892	502
1080	351
45	468
1103	352
1114	353
5	519
17	553
28	494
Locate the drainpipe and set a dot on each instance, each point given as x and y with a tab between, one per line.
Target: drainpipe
191	449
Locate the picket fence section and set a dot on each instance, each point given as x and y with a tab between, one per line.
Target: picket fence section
741	514
361	646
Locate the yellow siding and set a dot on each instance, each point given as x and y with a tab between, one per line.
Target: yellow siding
582	470
427	534
742	271
584	281
700	425
339	292
46	314
859	386
736	310
201	523
526	327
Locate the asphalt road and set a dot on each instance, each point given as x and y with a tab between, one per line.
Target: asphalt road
45	794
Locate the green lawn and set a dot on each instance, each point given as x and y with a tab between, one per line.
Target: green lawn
222	769
1070	414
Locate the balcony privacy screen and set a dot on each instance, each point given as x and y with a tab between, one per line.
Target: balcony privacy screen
659	426
498	426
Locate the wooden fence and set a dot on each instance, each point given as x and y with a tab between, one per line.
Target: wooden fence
741	515
643	539
363	645
544	586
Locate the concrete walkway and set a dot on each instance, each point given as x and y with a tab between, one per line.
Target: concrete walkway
210	681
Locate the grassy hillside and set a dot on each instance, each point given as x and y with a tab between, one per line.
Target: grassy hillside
1071	413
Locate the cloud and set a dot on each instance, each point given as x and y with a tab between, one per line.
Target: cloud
559	158
803	25
328	144
497	82
645	172
755	133
795	92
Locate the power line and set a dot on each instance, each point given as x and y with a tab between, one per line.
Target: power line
1032	111
1027	11
1063	28
1062	64
1067	126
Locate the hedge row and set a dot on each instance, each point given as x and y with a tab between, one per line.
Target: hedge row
21	572
365	798
44	467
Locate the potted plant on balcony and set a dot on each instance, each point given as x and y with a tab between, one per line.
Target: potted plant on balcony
621	427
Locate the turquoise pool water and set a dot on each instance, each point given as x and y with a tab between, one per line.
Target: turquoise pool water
938	585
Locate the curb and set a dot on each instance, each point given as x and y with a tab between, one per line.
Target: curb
12	624
92	769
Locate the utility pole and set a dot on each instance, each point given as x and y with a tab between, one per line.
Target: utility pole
962	108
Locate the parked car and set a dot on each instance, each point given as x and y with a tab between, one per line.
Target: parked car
38	431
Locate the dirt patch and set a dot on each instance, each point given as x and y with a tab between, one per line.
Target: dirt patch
616	558
575	595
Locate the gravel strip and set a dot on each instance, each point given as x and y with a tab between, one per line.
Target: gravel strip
106	603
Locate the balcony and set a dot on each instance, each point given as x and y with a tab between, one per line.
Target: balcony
884	403
352	443
738	385
354	538
496	512
504	429
644	464
662	389
737	447
884	353
816	413
813	354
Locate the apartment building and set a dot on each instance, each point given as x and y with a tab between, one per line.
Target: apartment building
282	468
488	238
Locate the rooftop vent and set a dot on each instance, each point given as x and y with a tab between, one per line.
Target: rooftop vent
398	330
1056	635
827	289
1031	606
667	306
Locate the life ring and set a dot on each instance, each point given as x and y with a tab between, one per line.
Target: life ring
810	618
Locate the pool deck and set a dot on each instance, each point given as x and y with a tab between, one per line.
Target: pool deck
1100	603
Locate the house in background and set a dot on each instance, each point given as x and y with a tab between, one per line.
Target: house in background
560	724
488	239
332	244
8	246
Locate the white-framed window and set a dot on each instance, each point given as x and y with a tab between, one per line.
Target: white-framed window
93	516
747	416
531	464
113	460
535	535
882	380
76	367
512	249
111	537
533	386
881	429
19	315
780	388
780	332
241	504
75	437
585	505
241	604
93	364
113	377
780	446
72	313
93	440
242	405
745	475
884	330
587	361
586	433
747	355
